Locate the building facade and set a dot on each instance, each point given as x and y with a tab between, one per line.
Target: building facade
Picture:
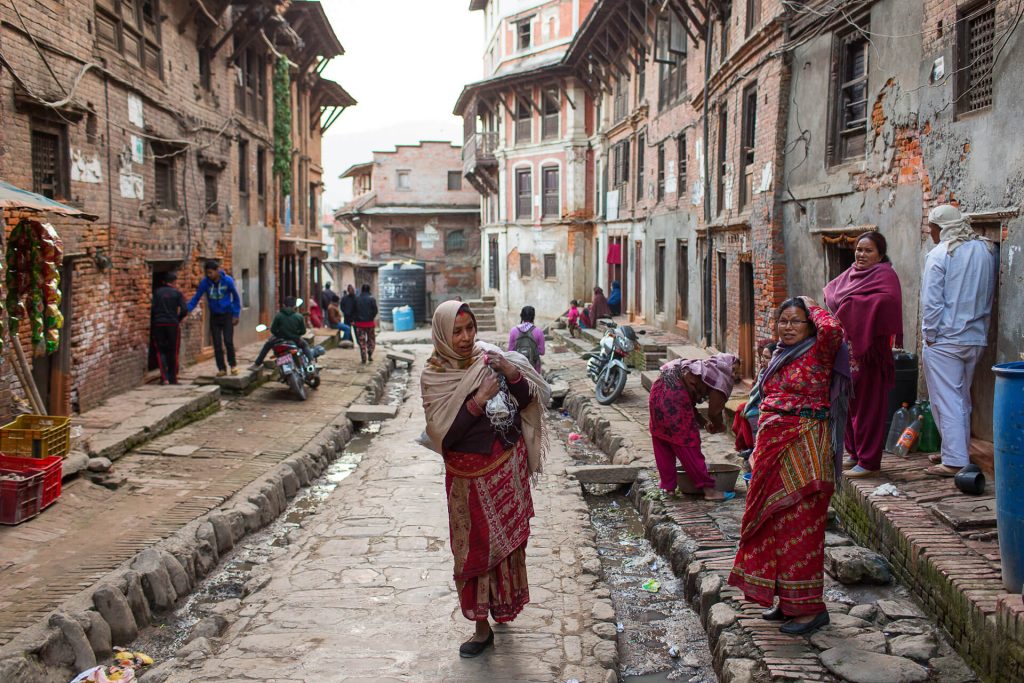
158	117
412	204
527	152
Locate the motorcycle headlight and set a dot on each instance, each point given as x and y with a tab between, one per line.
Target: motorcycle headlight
627	346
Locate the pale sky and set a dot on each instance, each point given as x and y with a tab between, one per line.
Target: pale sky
405	62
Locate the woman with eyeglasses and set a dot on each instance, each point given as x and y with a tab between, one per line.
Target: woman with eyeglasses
803	416
868	301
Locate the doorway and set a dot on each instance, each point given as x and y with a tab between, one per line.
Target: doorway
158	271
984	385
638	280
723	302
617	269
493	264
264	285
747	357
51	372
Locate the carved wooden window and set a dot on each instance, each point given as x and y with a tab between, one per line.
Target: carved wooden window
850	105
976	29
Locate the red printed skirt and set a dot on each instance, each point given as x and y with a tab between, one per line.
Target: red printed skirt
782	538
489	511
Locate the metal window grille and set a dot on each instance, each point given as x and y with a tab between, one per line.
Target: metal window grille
976	38
681	160
661	171
455	241
210	192
46	164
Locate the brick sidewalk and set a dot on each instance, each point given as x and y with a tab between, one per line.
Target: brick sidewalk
700	539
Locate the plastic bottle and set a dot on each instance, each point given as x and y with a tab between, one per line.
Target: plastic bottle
908	439
915	410
930	441
900	420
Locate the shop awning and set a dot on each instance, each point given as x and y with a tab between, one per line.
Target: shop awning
12	197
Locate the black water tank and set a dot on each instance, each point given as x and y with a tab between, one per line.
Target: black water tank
905	390
402	284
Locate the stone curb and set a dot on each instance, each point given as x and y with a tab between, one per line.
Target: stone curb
113	610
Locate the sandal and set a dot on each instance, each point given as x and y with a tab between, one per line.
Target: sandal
942	471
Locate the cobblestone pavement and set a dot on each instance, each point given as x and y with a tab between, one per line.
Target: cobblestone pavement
366	592
164	484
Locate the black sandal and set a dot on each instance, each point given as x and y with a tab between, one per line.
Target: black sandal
475	648
773	614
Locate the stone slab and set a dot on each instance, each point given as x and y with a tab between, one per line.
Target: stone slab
400	357
360	412
861	666
605	474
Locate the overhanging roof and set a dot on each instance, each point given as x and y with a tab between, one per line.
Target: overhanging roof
357	169
410	210
328	93
308	19
475	5
546	69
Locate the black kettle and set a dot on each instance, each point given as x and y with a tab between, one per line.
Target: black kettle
970	480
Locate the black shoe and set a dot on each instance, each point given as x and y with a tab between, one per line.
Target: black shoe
794	628
474	648
773	614
369	358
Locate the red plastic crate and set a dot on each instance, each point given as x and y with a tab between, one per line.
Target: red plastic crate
51	468
20	500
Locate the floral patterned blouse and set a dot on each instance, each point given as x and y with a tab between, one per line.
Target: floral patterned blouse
804	383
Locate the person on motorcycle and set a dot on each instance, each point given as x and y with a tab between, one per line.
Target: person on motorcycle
288	325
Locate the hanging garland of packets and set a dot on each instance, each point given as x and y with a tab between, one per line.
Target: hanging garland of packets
34	256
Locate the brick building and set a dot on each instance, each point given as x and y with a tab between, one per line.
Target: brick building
158	117
527	151
412	204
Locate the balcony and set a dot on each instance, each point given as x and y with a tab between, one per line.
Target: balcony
479	163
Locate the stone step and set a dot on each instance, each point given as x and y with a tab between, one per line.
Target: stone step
604	474
687	351
400	357
361	412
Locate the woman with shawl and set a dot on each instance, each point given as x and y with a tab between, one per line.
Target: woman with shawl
803	417
599	307
868	301
675	423
484	412
615	298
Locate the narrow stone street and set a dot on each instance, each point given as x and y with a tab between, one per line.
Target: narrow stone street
365	592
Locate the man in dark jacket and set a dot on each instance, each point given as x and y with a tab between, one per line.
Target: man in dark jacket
168	310
348	305
365	324
327	295
288	325
225	309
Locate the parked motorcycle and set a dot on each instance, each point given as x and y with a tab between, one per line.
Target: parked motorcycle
607	366
293	368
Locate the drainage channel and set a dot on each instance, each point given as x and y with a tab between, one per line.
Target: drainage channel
660	636
227	584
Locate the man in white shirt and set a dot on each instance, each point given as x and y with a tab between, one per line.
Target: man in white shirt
956	303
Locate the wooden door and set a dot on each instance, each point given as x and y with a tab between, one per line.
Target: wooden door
638	280
747	357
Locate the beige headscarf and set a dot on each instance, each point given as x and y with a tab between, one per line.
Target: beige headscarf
956	228
449	379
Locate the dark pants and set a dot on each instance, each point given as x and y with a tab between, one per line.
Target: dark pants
366	337
303	344
222	329
166	339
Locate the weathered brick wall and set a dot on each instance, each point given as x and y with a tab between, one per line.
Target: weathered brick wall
109	325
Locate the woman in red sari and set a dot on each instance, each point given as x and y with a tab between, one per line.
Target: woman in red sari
490	450
868	301
675	423
782	538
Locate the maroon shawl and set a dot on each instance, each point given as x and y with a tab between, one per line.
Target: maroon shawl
869	304
599	308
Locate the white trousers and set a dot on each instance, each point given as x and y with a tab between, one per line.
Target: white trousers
948	371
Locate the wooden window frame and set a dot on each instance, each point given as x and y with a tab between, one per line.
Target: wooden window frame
523	122
681	159
525	265
842	130
523	210
661	171
753	17
165	185
550	123
455	242
748	144
551	204
527	34
641	148
62	163
138	28
457	175
682	281
722	155
969	74
660	273
408	234
550	267
211	200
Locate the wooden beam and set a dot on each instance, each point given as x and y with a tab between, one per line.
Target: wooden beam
697	23
565	93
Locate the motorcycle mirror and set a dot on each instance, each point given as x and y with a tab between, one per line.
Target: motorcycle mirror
261	328
642	332
299	302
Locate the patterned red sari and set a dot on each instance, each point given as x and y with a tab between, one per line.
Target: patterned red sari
489	511
782	538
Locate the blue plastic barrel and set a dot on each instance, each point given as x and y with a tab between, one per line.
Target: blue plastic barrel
1008	406
403	318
